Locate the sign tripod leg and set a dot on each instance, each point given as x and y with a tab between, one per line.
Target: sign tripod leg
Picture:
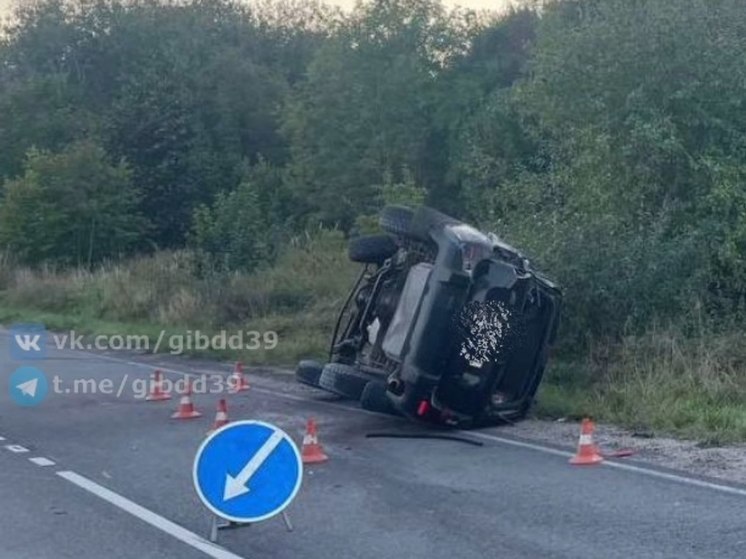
216	525
213	528
286	519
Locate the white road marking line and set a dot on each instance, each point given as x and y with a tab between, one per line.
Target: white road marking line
41	461
140	365
519	444
673	477
330	403
544	449
16	448
619	465
511	442
163	524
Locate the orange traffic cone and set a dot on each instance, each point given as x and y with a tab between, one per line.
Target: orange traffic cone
237	381
587	454
157	394
221	417
186	407
312	453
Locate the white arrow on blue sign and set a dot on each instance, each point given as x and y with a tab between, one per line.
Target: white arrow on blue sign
247	471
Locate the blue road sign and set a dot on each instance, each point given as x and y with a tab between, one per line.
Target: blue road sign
247	471
28	341
28	386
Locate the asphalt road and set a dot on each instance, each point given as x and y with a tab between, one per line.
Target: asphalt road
375	498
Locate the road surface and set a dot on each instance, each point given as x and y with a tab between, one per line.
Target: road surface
111	477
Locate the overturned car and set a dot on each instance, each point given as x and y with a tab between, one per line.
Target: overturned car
445	323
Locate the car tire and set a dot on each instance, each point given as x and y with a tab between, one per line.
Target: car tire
308	372
372	249
374	398
426	219
343	380
396	220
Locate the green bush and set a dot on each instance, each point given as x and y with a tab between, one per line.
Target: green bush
70	208
242	228
665	379
618	161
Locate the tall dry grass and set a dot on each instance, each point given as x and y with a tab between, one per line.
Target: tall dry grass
297	297
670	379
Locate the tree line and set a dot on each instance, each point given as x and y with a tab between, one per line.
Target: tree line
606	137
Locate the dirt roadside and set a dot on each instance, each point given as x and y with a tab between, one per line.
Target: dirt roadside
725	462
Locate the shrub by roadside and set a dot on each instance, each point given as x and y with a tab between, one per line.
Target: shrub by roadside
690	385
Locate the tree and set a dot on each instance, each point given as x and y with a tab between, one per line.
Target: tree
488	139
364	114
70	208
636	110
184	91
241	229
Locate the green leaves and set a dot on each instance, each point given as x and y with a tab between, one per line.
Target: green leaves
365	113
241	229
185	92
70	208
632	193
606	137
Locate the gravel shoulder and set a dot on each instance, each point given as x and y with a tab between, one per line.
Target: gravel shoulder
724	462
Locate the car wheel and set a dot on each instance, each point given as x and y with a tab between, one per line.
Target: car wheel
396	220
343	380
372	249
426	219
308	372
374	398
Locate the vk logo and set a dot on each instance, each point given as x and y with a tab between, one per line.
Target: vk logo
28	341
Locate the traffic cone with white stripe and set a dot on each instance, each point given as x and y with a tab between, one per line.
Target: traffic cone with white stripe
312	453
157	394
237	381
588	454
186	407
221	417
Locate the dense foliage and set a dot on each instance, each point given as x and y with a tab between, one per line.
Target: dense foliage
607	137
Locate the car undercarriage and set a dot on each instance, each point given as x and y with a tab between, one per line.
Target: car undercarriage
445	324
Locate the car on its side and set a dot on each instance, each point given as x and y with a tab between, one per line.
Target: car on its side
445	323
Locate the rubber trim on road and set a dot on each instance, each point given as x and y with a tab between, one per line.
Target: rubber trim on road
436	436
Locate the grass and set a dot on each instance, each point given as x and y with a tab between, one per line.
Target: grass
689	382
692	386
297	298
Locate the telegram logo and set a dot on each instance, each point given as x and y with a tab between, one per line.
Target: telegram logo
28	386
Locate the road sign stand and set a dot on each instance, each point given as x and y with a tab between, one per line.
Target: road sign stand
246	472
216	525
286	520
